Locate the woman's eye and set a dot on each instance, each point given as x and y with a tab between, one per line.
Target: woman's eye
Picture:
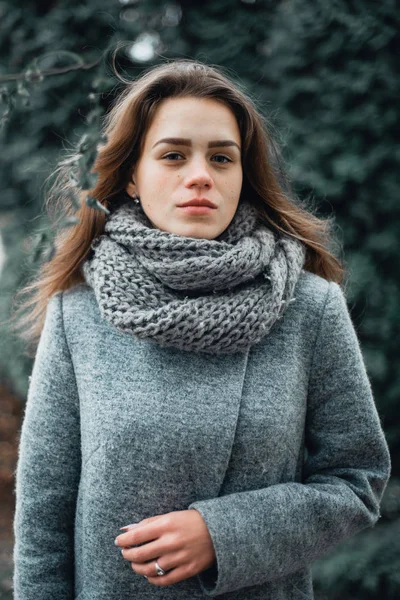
173	155
222	156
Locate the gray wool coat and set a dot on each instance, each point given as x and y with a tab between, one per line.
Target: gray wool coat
280	449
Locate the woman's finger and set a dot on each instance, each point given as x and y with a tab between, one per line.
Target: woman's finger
174	576
150	551
145	531
167	563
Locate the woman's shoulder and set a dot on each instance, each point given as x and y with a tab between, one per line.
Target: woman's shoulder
78	296
312	289
315	296
78	305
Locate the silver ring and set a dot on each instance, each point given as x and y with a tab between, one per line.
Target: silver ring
159	570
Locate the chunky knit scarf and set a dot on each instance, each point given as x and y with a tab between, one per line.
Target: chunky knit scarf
214	296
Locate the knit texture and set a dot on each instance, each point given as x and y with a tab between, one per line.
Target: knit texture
215	296
280	449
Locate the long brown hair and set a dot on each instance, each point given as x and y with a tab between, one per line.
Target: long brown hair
265	182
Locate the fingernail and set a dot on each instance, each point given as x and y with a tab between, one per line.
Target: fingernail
129	526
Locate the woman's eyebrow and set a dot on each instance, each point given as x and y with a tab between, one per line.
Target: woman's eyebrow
188	142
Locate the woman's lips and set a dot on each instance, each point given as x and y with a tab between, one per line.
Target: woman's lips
197	210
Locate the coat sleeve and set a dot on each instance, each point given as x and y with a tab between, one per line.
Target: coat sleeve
48	471
268	533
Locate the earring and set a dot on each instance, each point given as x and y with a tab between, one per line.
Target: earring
135	197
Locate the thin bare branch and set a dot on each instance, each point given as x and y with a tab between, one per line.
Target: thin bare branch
40	74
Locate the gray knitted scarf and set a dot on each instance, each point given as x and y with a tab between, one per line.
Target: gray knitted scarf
217	296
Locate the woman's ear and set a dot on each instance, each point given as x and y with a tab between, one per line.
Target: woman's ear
131	186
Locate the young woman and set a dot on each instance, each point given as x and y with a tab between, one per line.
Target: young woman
199	419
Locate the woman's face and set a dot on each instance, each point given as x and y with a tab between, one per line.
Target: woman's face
192	150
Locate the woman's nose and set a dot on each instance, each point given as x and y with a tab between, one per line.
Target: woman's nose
198	175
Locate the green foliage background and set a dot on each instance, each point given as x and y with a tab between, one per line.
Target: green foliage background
325	73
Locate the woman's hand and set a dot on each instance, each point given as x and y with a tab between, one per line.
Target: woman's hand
179	541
